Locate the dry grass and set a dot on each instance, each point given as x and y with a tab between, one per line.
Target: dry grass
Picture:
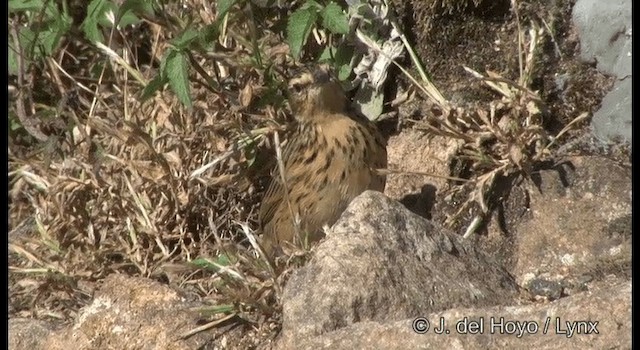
147	188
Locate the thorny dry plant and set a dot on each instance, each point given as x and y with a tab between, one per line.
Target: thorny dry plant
501	138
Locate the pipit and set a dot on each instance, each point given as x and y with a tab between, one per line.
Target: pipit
329	159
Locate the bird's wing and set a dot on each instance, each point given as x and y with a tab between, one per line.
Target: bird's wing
272	199
274	196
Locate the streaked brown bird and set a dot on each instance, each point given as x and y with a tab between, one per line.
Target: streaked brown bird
329	159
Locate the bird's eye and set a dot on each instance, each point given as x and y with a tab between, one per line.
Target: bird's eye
297	88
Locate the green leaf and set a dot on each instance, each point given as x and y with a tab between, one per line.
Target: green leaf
25	38
14	121
95	12
311	4
107	17
342	61
48	8
327	54
38	7
25	5
14	124
154	85
223	6
13	61
334	19
250	154
130	8
176	70
53	25
127	19
300	24
51	37
49	40
97	16
184	39
222	260
371	102
344	71
91	31
209	34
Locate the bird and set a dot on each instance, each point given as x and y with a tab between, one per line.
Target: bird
331	156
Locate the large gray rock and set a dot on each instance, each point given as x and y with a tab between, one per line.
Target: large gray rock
613	120
605	38
608	309
380	267
605	34
380	262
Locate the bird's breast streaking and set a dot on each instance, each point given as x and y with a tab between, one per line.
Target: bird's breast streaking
329	159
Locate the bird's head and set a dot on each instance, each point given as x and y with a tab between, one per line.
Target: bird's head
315	92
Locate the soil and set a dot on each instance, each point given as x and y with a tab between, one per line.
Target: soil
484	38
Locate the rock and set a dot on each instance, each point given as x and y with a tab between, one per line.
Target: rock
550	290
26	333
126	313
607	309
605	39
580	221
613	120
570	225
415	151
605	34
381	266
382	263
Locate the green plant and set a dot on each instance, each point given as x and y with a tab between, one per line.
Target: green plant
104	14
178	60
313	15
46	25
175	64
38	30
305	19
